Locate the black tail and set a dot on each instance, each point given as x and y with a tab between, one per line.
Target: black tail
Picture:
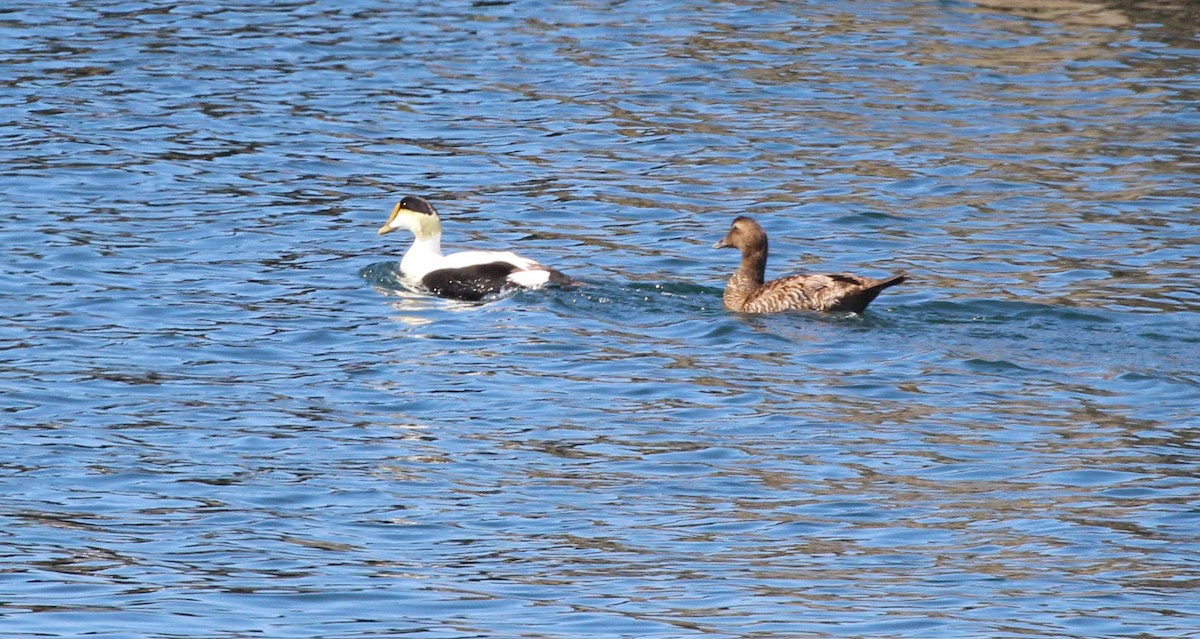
560	279
868	295
891	281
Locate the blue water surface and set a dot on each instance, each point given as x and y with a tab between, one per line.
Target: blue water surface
226	417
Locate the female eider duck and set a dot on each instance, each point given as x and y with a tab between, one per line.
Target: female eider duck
468	275
747	293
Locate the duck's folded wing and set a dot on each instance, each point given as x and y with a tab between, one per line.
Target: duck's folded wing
471	283
521	271
797	292
820	292
525	272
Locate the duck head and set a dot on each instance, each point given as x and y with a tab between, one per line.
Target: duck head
415	214
745	235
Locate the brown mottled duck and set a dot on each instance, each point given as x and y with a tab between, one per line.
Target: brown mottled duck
747	292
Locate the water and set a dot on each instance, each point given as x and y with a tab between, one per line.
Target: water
225	418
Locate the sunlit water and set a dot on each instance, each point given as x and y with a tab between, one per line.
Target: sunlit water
224	416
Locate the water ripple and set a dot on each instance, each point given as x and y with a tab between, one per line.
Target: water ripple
223	405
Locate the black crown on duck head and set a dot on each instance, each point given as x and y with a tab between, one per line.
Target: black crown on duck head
417	205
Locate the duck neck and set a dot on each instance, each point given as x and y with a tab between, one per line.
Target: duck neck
747	279
423	256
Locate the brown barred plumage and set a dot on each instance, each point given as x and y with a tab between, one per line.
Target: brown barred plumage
747	292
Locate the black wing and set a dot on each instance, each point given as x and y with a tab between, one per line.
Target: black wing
469	283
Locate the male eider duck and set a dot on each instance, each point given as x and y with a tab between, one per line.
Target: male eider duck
468	275
747	293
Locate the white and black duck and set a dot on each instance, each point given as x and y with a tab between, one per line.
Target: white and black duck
467	275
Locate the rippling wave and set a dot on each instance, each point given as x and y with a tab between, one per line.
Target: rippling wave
223	407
